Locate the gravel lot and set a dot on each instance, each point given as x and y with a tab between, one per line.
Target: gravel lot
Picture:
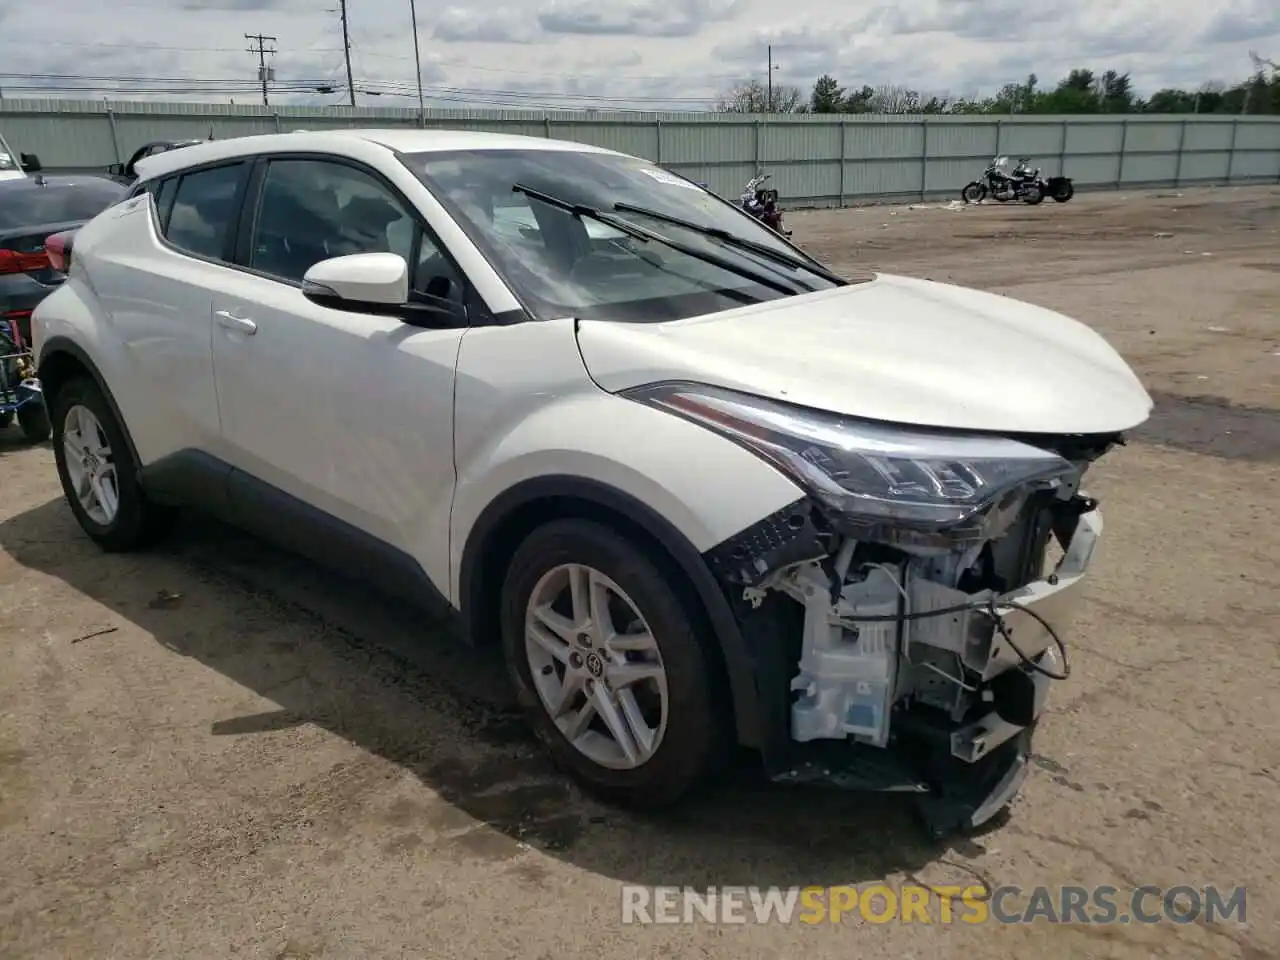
217	751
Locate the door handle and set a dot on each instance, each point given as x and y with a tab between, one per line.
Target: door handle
230	321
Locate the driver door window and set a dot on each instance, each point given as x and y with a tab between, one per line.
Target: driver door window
311	210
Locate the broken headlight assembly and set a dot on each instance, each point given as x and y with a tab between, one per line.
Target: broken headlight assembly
918	564
875	482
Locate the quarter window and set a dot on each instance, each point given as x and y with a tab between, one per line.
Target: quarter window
164	194
204	208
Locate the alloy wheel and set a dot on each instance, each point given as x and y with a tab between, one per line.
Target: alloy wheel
596	666
90	465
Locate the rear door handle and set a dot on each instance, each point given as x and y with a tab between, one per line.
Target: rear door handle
230	321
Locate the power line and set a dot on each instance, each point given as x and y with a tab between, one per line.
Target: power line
437	61
187	10
265	73
217	83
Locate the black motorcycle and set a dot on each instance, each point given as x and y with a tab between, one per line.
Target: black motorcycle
1001	184
1059	189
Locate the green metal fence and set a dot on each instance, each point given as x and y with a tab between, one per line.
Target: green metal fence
817	161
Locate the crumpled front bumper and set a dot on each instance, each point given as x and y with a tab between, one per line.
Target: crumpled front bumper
1055	598
963	776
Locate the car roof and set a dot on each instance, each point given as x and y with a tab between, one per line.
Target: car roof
403	140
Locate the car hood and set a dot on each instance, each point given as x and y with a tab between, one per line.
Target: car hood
892	349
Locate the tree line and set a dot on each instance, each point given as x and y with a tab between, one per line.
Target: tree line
1081	91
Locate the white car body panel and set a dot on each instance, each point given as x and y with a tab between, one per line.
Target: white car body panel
348	412
142	313
519	418
10	164
355	142
896	350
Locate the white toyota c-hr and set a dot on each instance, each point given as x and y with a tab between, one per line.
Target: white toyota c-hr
699	490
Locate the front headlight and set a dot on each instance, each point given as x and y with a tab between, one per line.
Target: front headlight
879	482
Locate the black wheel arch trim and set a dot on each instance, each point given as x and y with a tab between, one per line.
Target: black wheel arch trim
742	672
64	345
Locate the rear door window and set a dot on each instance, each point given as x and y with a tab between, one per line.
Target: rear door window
205	206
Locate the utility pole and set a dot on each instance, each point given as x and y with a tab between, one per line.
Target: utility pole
265	73
346	51
768	107
417	62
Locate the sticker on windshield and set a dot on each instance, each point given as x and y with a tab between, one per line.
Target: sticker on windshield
669	179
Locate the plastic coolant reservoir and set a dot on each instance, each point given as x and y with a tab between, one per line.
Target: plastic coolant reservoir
846	677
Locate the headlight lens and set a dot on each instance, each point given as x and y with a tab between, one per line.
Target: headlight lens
889	484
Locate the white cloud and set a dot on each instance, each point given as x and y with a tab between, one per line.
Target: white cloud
657	54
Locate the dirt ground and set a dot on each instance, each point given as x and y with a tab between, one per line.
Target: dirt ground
218	751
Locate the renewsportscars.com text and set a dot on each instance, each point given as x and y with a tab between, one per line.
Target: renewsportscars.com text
880	903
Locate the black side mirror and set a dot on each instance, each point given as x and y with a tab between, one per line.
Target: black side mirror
30	163
116	169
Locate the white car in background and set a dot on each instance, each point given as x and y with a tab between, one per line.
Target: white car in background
700	490
16	166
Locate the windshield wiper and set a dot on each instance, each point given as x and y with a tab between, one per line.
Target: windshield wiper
640	233
724	236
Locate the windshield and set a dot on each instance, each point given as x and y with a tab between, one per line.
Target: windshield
561	265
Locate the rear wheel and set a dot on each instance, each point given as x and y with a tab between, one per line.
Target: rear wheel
973	192
1063	191
608	665
98	473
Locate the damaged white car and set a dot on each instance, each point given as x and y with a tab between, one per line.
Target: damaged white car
701	491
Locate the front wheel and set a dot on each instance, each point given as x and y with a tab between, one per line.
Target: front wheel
98	473
973	192
607	662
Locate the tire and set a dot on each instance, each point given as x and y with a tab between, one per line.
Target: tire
1034	195
137	522
1063	191
33	418
973	192
696	740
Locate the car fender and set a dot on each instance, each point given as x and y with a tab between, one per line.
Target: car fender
685	487
706	487
69	323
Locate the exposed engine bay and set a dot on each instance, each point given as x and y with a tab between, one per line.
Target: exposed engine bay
920	661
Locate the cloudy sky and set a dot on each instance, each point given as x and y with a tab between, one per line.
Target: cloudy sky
611	54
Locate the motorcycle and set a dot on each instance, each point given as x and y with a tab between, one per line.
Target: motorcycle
1020	183
762	203
1059	189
